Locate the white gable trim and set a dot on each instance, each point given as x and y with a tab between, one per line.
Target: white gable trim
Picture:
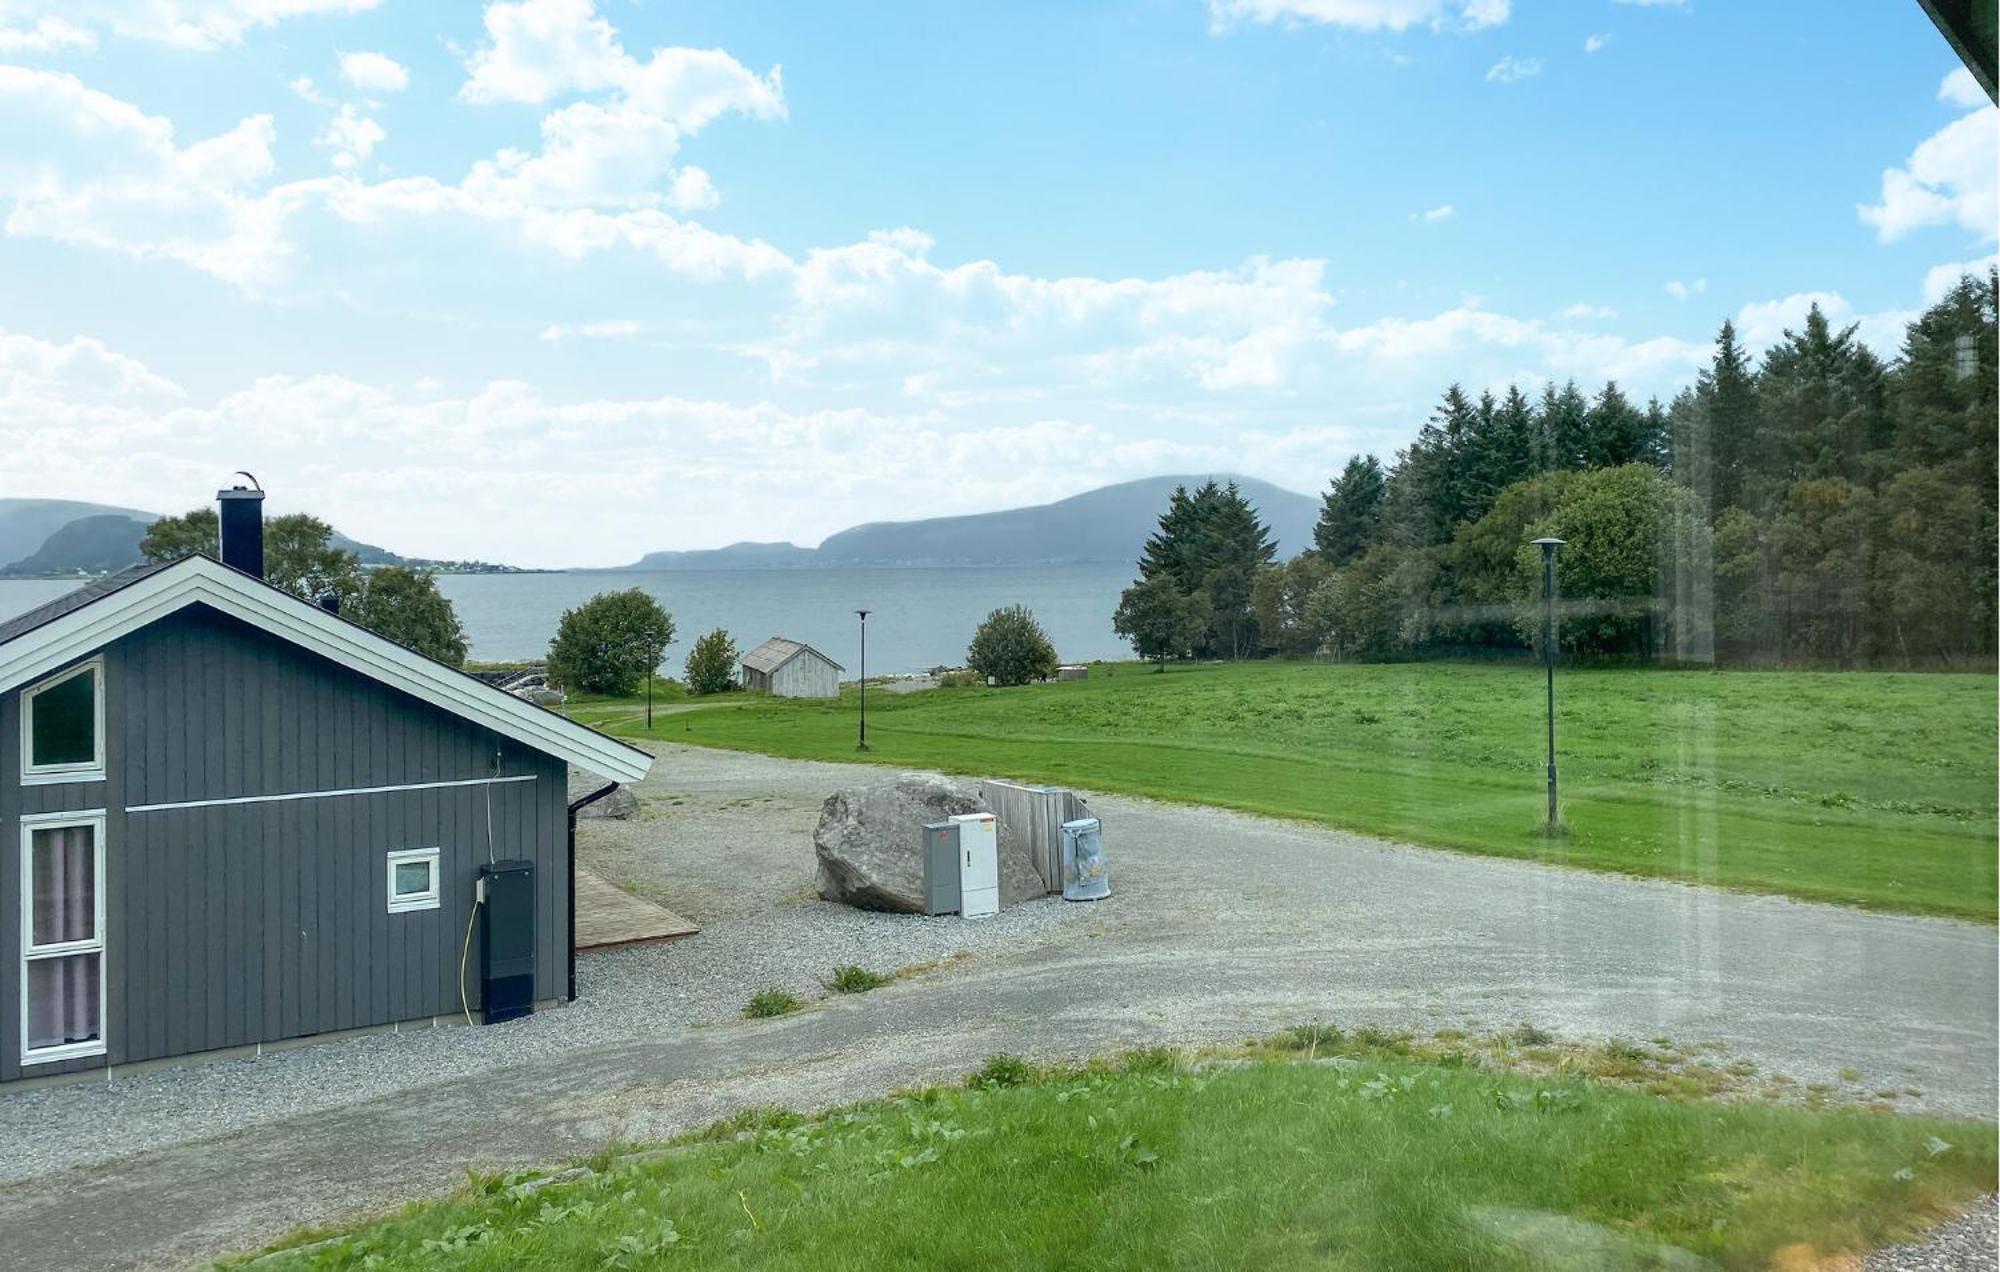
198	579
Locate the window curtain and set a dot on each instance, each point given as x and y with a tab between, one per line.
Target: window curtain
62	1000
63	991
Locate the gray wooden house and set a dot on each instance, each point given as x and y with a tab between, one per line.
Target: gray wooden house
791	669
239	819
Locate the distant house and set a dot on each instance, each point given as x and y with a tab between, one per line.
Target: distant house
242	820
791	669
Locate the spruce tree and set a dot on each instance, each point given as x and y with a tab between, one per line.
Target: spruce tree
1350	514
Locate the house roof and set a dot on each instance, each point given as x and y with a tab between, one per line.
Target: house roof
76	623
777	651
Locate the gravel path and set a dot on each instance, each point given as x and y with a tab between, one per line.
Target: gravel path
1970	1243
1220	925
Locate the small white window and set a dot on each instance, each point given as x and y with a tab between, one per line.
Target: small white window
62	727
413	880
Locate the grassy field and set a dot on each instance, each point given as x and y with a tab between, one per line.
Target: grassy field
1870	789
1370	1158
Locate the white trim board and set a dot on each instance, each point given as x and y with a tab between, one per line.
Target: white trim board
328	794
197	579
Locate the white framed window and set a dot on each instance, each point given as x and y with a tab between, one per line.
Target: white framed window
413	880
62	936
62	726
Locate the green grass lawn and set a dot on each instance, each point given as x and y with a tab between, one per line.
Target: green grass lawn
1367	1159
1870	789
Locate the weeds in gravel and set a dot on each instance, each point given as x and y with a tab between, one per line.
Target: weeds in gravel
772	1002
853	978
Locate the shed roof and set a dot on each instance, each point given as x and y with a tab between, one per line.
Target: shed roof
777	651
76	623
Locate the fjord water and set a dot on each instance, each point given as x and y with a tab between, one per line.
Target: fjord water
918	617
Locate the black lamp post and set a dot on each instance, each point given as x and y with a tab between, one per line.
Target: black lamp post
862	745
1548	547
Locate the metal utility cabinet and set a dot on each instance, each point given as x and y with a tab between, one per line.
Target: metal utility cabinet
979	864
941	868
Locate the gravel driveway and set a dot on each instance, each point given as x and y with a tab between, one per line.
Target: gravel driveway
1220	925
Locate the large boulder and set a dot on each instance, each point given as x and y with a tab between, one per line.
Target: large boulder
869	843
619	804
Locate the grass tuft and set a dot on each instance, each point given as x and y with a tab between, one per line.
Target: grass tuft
855	979
772	1002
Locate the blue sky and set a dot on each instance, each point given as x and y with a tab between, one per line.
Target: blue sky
560	282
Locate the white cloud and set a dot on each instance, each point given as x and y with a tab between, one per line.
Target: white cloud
610	329
537	50
1583	310
1595	43
77	371
351	137
93	171
48	35
1960	89
1950	178
1654	4
189	24
374	72
1431	216
1510	69
1681	290
1364	15
1940	279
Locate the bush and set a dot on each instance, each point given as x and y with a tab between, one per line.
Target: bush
406	606
855	979
711	664
1011	648
960	680
610	643
1001	1070
772	1002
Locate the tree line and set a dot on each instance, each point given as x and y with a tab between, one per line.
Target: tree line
1816	506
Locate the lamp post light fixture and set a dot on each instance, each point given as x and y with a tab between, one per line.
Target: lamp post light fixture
862	745
1548	547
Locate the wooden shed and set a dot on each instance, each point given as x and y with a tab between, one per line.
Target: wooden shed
791	669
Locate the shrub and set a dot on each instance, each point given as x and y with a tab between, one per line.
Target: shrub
610	643
855	979
772	1002
960	679
1002	1070
711	664
1011	648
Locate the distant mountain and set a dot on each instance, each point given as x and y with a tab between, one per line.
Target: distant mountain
96	544
1107	524
68	536
737	556
26	524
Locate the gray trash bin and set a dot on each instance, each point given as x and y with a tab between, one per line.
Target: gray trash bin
1085	876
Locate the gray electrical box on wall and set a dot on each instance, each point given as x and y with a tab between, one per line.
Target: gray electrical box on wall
507	940
941	869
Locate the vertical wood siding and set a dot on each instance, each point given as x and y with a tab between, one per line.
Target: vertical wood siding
236	924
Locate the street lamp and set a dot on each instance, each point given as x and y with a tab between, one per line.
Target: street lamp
862	745
1548	547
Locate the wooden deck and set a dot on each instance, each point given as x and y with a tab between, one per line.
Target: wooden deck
608	916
